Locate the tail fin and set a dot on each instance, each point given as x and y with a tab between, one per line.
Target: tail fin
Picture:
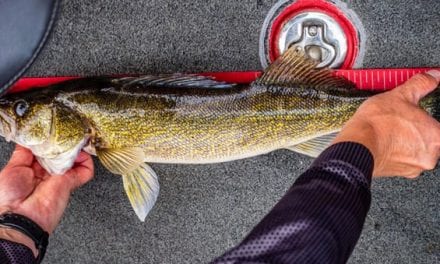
431	104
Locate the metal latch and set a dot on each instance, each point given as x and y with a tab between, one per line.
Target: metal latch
319	35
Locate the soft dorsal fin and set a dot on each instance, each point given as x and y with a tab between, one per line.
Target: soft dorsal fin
294	69
173	81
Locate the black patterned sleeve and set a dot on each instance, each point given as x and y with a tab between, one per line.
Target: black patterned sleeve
14	253
320	218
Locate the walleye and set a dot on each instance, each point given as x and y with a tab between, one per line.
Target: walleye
127	122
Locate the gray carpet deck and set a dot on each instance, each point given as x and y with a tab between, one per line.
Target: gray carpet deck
205	209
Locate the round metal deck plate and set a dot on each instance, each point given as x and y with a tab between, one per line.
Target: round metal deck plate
328	31
319	35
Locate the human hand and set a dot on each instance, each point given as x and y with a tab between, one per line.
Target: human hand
403	138
27	189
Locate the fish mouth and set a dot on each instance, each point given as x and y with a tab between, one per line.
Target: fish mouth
7	126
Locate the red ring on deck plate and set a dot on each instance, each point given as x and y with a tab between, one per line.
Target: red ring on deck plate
322	6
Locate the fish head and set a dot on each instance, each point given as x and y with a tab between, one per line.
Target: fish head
52	131
25	120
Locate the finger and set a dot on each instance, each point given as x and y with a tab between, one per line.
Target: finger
83	157
21	157
80	173
17	178
48	201
435	74
16	184
39	171
413	176
419	86
82	170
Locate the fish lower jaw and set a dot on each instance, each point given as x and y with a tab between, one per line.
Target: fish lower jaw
60	163
7	128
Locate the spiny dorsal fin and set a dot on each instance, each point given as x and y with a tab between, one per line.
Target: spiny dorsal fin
173	81
293	68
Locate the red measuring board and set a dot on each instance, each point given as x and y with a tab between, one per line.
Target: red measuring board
380	79
365	79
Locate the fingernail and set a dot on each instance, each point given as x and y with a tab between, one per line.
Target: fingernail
435	74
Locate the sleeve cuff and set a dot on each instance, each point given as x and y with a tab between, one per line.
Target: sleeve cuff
12	252
353	153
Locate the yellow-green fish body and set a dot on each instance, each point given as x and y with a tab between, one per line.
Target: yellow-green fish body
194	125
179	119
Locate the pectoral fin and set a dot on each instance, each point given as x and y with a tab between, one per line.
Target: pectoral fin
315	146
140	181
121	161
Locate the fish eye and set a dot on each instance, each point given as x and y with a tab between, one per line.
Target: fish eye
21	107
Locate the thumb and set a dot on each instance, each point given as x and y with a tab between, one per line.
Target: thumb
419	86
21	157
81	172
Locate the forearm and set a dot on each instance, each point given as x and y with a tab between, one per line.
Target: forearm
320	218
